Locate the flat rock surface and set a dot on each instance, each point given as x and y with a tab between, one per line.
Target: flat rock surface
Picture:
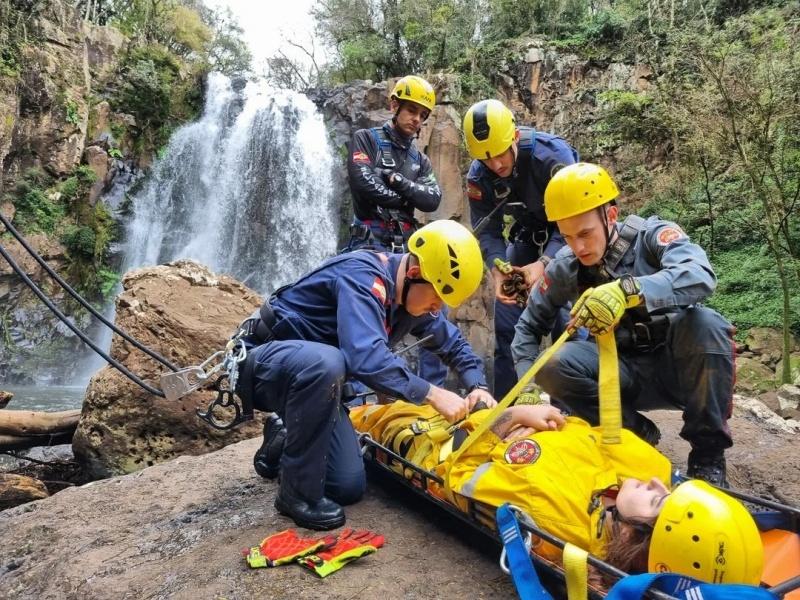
175	530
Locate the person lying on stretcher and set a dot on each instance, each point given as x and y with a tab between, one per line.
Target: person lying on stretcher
613	500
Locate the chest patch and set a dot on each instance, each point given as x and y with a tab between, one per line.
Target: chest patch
359	157
474	192
523	452
668	235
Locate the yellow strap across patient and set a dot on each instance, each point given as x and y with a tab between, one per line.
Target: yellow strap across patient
503	404
576	572
608	383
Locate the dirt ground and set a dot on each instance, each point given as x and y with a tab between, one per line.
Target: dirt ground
176	530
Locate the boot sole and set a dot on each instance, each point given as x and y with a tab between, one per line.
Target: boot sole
332	523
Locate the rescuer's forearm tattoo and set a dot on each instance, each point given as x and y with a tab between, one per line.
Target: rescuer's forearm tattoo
503	423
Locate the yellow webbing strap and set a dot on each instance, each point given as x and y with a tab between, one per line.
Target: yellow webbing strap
608	382
503	404
576	572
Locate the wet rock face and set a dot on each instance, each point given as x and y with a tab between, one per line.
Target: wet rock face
33	342
185	313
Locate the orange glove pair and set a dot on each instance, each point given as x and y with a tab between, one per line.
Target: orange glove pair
323	556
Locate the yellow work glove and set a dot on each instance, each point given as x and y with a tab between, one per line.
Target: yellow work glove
600	309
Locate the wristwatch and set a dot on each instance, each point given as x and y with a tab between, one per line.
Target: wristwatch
478	386
631	288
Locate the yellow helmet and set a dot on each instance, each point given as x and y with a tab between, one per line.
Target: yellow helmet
577	189
489	129
704	533
415	89
449	258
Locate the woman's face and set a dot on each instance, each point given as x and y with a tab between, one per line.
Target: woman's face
641	501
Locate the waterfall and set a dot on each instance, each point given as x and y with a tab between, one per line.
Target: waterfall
246	190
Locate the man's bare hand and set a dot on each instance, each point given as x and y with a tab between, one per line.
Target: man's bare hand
451	406
480	395
532	273
499	278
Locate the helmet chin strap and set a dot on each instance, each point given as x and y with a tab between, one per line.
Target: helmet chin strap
408	282
607	229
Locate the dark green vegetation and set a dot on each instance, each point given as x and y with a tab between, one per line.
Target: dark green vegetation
158	80
712	141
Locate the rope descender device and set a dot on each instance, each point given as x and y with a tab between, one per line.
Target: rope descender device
226	363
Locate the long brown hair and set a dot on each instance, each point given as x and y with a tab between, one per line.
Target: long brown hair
628	548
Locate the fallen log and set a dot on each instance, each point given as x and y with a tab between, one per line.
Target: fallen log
24	442
23	423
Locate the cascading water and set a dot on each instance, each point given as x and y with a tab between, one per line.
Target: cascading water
246	190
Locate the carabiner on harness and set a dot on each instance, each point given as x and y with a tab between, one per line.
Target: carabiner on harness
235	354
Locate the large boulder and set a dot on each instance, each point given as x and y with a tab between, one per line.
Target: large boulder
185	313
753	376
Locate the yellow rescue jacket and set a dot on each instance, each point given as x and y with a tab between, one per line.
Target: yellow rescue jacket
556	477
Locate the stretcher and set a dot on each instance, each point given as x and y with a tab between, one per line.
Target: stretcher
779	525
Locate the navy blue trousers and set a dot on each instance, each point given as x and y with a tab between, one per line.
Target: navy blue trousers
693	371
301	382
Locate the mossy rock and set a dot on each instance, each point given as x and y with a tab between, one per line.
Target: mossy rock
753	376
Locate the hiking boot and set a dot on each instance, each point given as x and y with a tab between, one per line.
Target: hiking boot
322	514
267	461
644	428
708	466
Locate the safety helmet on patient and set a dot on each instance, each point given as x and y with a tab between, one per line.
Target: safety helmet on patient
705	533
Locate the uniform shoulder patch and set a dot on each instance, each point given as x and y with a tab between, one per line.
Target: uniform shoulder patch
360	157
544	283
523	452
379	289
669	234
474	191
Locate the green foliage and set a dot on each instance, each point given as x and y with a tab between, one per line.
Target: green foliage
748	290
80	242
107	281
71	110
76	187
115	153
35	212
149	74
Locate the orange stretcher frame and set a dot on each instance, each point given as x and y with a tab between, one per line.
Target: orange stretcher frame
781	546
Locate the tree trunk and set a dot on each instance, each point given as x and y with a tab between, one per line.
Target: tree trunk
26	422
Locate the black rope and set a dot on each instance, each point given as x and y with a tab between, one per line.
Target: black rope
64	319
80	299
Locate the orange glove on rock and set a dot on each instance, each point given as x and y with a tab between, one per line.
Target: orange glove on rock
349	546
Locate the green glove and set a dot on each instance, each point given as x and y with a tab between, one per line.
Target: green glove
600	309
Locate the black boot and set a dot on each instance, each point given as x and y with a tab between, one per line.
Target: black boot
322	514
641	426
267	460
708	466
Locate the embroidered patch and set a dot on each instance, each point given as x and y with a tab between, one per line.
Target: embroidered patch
544	283
360	157
523	452
379	289
473	191
668	235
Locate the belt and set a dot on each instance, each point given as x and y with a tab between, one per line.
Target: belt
381	224
643	336
259	325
